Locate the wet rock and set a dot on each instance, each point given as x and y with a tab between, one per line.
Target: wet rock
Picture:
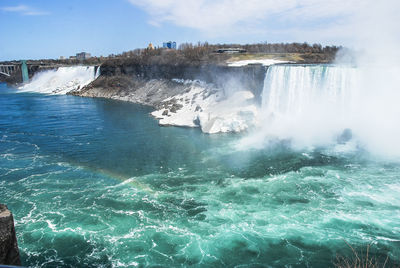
346	136
9	253
196	121
165	112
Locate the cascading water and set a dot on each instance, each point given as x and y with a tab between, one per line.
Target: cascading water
308	104
97	72
313	105
62	80
294	90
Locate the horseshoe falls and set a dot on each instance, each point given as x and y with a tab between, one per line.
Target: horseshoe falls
317	105
308	104
293	89
97	183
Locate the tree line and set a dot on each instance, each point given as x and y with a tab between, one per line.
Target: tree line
200	53
189	53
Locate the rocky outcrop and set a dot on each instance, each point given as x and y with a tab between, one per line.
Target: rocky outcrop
250	77
130	88
151	84
9	253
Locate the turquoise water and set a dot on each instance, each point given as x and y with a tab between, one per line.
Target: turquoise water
97	183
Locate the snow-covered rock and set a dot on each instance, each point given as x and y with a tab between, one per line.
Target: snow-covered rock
208	108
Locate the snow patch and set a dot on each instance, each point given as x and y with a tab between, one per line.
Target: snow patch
264	62
208	108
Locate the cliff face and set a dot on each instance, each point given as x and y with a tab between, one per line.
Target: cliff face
206	72
9	253
150	84
250	77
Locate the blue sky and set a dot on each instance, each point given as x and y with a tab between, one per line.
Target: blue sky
67	27
37	29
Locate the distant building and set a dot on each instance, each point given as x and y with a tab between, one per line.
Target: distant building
83	56
72	57
150	46
230	50
170	45
62	58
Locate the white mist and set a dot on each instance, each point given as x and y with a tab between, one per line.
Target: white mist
312	105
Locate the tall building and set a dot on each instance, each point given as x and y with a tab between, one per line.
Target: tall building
170	45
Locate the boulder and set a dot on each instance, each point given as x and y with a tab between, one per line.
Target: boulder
9	253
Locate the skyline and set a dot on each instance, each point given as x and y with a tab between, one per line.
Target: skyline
50	29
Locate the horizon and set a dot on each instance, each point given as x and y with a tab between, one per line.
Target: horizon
47	29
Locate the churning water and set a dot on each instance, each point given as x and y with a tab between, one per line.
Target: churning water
61	80
97	183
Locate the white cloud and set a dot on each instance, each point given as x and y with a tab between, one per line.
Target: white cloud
311	20
24	10
227	15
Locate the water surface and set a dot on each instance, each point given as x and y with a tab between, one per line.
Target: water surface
97	183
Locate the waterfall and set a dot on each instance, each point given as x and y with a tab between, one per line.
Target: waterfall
298	90
62	80
320	105
310	105
97	68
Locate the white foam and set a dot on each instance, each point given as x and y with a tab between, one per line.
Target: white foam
62	80
309	105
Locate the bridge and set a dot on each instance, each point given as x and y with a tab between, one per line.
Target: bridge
15	70
7	70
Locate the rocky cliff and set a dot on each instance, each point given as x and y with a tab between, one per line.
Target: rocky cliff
9	253
250	77
150	84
